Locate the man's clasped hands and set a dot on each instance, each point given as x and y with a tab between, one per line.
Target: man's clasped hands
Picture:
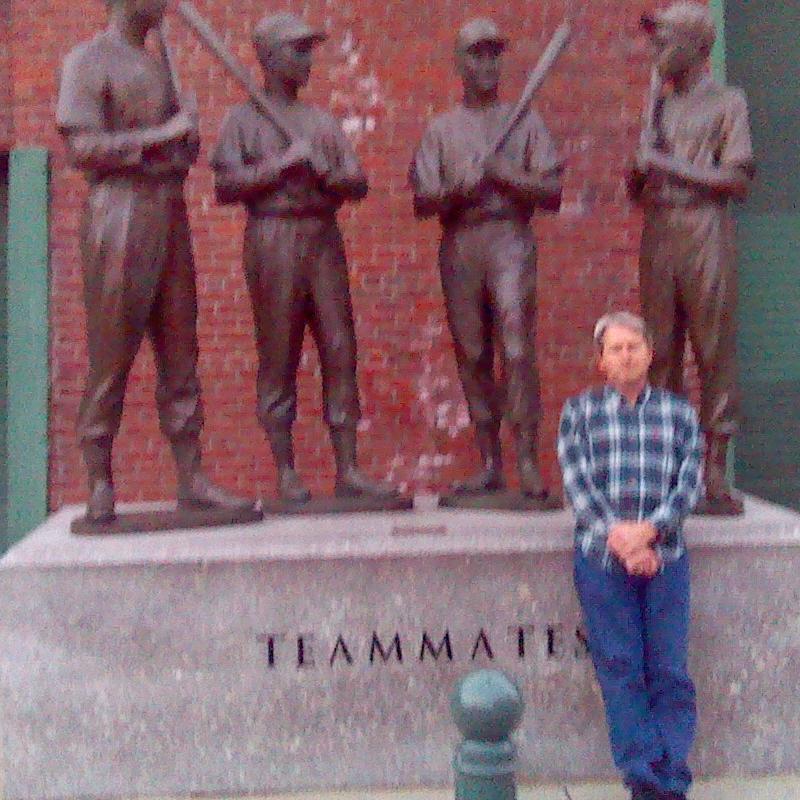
631	543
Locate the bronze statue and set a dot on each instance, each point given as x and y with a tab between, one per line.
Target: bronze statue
695	156
484	198
126	128
293	169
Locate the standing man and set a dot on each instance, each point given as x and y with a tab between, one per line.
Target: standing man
294	257
124	128
487	257
630	456
695	156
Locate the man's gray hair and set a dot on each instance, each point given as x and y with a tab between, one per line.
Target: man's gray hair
632	322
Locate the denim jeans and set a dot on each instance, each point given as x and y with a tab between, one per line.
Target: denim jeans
637	630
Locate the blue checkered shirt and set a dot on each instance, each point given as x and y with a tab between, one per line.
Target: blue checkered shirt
637	462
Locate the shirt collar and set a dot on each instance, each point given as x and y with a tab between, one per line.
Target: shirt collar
614	399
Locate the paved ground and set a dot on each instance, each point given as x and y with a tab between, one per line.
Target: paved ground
774	788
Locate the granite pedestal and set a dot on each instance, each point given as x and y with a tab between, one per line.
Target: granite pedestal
320	652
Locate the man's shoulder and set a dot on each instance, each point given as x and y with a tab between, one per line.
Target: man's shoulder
585	401
660	395
677	403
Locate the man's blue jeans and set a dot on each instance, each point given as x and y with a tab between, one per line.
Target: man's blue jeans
637	630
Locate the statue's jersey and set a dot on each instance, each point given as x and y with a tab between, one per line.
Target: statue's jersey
707	127
457	138
248	137
110	90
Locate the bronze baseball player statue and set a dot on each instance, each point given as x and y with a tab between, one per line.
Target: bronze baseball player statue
695	156
292	178
126	129
484	199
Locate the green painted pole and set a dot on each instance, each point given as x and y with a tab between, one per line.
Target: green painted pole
486	706
718	56
27	280
720	68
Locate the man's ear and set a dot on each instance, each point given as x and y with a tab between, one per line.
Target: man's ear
598	360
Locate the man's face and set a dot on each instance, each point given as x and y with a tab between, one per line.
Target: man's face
291	60
148	13
480	65
625	357
676	52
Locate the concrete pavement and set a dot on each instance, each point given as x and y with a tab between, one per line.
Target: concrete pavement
770	788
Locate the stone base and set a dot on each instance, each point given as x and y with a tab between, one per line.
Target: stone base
297	654
337	505
720	507
165	520
500	501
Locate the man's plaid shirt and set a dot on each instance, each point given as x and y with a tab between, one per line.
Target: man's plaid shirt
622	462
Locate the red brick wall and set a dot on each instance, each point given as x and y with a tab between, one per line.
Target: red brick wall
390	63
6	135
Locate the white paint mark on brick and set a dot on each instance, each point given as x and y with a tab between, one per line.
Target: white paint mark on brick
358	93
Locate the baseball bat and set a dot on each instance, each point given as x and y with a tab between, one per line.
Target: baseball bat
195	20
535	80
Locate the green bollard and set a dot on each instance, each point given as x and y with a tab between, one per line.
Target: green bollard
486	707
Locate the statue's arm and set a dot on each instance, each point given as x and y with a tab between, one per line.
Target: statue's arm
425	176
340	171
726	181
528	188
239	183
108	151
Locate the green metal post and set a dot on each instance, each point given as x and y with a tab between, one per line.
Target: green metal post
718	56
719	66
486	706
27	279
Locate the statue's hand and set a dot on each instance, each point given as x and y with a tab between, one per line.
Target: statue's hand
179	126
302	154
298	154
498	168
650	159
473	176
188	119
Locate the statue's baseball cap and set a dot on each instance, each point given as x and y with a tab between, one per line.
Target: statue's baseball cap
479	30
285	27
689	19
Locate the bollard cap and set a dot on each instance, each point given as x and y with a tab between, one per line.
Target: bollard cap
486	706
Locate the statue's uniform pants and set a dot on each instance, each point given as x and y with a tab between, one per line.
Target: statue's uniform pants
688	288
139	278
297	274
488	272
